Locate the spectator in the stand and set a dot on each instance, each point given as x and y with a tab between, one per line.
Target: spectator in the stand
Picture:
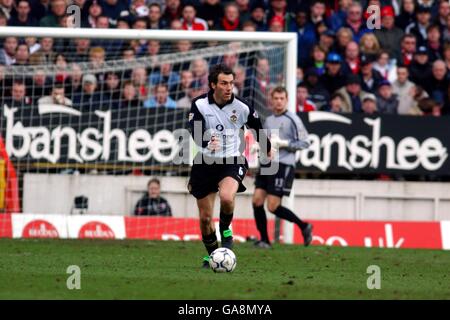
95	11
447	56
318	59
152	204
385	66
190	20
327	40
153	50
57	97
407	14
338	18
306	37
81	50
404	89
355	21
244	9
419	28
180	89
278	8
3	19
439	81
173	11
420	68
73	84
276	24
407	49
333	79
58	10
155	20
387	101
389	36
231	19
211	11
7	8
303	104
39	86
343	37
22	55
89	99
369	44
239	80
176	25
352	94
164	75
336	103
446	32
23	18
161	98
7	54
351	61
111	90
199	68
258	17
32	43
369	104
317	11
434	44
139	78
258	84
429	107
140	45
195	89
113	8
46	54
129	98
444	13
129	54
370	77
317	93
96	58
18	97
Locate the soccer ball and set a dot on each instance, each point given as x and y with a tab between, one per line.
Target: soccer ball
222	260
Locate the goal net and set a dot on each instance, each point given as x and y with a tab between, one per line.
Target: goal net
89	118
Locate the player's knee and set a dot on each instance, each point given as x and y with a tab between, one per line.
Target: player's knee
272	206
205	219
257	202
227	200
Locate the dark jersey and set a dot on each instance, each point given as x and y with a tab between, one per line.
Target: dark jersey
152	207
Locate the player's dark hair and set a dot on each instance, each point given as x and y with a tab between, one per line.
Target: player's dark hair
279	89
217	69
154	180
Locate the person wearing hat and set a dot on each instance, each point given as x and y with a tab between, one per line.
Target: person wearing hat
420	68
369	104
258	16
419	28
370	77
387	101
333	79
89	99
210	11
327	40
389	36
352	94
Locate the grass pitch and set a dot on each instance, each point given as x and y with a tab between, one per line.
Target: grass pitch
36	269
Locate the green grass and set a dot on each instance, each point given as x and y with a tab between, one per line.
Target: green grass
36	269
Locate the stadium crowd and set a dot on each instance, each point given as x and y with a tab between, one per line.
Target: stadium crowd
344	65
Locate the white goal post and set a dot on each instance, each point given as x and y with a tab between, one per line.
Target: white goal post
287	39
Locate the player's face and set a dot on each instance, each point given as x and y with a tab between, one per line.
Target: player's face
224	88
279	102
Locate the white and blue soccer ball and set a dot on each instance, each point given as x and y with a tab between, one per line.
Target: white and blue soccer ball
222	260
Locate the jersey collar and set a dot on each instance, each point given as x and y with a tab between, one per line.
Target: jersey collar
212	101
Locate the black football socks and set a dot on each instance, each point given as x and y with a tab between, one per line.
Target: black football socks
286	214
210	242
261	222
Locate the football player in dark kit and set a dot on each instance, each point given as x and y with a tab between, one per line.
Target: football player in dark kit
216	121
287	134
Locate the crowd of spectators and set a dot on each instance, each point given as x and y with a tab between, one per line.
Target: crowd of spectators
344	65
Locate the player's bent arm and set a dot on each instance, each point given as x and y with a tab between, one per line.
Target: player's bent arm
197	126
302	141
253	122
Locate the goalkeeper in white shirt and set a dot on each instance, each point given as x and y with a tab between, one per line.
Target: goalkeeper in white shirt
287	135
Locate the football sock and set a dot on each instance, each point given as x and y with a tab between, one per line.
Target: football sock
225	221
210	242
261	222
286	214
